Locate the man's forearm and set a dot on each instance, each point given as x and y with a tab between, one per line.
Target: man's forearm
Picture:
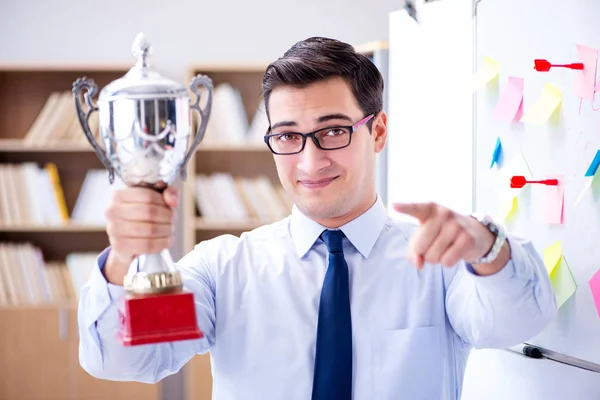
504	307
114	270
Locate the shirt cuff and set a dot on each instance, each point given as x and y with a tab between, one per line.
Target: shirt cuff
102	294
501	281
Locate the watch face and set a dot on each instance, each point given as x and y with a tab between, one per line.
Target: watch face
486	221
493	228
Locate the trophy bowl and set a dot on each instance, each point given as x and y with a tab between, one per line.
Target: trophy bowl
145	130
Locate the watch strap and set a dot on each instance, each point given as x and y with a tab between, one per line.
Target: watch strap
500	238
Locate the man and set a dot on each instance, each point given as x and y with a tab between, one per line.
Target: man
337	301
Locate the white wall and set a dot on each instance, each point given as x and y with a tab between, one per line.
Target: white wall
181	31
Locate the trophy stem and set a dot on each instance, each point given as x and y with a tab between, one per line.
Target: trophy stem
153	274
154	263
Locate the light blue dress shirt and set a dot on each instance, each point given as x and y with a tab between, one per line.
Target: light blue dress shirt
257	301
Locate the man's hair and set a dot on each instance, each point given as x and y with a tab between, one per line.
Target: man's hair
317	59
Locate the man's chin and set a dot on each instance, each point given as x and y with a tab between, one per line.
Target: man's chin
319	208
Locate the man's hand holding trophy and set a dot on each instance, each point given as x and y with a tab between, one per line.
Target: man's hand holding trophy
145	128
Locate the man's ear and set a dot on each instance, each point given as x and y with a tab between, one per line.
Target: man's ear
379	131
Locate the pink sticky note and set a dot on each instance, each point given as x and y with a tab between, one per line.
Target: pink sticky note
585	81
595	288
520	111
555	202
510	104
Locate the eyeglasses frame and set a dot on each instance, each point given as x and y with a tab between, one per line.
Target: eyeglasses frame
351	128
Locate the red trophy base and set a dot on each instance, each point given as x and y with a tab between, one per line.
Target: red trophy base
157	318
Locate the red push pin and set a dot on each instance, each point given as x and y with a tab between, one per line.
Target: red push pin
544	65
517	182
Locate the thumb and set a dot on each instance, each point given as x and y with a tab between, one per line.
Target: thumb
420	211
171	196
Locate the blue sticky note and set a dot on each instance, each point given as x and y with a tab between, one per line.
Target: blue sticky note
594	165
497	154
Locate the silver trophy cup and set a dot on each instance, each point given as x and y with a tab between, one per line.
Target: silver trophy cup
145	129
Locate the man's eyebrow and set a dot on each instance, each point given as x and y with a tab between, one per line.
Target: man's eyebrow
328	117
283	123
321	119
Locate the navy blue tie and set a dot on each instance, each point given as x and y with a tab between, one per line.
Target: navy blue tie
333	359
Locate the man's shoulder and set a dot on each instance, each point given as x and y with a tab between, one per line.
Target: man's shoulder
400	228
276	230
229	245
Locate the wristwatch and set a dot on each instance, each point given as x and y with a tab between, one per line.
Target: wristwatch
499	235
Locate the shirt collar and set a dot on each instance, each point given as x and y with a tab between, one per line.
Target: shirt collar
362	232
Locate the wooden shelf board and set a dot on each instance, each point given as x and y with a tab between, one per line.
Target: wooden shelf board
227	67
52	228
17	145
60	67
234	147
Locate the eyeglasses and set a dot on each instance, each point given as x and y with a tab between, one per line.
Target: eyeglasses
330	138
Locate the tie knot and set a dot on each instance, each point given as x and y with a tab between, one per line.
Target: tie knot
333	240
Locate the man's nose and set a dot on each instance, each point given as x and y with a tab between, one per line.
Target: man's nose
312	159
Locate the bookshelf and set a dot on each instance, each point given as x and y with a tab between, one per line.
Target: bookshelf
228	162
44	253
234	148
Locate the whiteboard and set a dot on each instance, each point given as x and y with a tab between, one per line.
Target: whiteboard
432	112
514	38
515	32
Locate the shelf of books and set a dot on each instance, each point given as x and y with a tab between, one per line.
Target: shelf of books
53	192
234	188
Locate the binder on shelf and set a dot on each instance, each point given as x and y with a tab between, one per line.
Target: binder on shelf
26	279
94	196
220	196
57	122
30	195
33	196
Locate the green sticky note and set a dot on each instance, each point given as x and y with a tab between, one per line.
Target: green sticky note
552	256
562	282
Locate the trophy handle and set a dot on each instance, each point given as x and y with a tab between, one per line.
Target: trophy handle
90	91
197	82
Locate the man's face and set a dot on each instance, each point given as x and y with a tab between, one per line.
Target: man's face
327	185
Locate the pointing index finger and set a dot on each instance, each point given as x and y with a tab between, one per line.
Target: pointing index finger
420	211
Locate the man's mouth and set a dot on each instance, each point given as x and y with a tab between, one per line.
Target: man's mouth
317	184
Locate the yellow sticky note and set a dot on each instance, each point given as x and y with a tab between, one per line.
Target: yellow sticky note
552	255
544	106
563	283
510	208
507	196
488	71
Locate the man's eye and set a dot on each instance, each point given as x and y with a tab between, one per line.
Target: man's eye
287	137
336	132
